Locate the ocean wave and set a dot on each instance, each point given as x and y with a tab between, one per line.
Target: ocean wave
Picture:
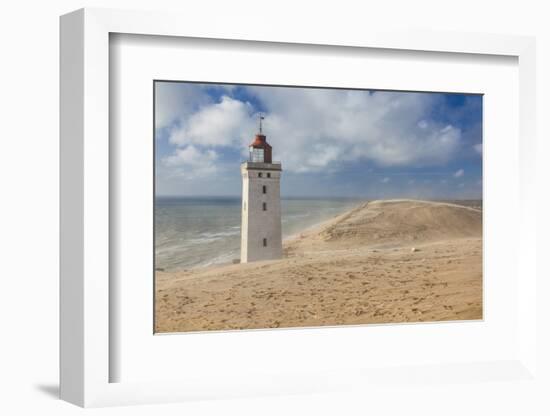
221	233
292	216
190	246
210	237
220	259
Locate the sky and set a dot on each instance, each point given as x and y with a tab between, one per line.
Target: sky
331	142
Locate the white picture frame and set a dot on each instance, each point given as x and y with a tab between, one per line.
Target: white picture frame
85	208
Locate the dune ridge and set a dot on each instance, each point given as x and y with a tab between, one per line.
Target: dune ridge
381	262
398	222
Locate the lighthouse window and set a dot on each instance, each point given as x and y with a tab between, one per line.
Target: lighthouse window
269	174
259	174
264	188
265	242
264	206
256	155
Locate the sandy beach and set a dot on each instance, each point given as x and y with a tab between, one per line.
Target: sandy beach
382	262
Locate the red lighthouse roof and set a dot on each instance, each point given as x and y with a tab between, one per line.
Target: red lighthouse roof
260	142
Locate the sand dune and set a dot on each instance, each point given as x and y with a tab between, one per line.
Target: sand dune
384	261
395	223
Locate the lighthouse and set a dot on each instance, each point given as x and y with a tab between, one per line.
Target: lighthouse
261	237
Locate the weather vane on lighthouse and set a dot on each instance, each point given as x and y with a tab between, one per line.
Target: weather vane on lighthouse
261	117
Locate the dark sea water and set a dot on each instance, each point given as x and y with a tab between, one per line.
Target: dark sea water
197	232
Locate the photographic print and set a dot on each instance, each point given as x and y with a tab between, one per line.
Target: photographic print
288	206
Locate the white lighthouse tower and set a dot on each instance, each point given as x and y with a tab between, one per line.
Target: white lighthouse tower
261	237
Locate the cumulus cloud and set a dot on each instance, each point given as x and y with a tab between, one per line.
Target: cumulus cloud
478	148
386	128
459	173
175	100
314	129
226	123
191	162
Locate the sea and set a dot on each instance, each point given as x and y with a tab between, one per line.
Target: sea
194	232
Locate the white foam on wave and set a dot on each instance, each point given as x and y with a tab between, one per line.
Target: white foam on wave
221	259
